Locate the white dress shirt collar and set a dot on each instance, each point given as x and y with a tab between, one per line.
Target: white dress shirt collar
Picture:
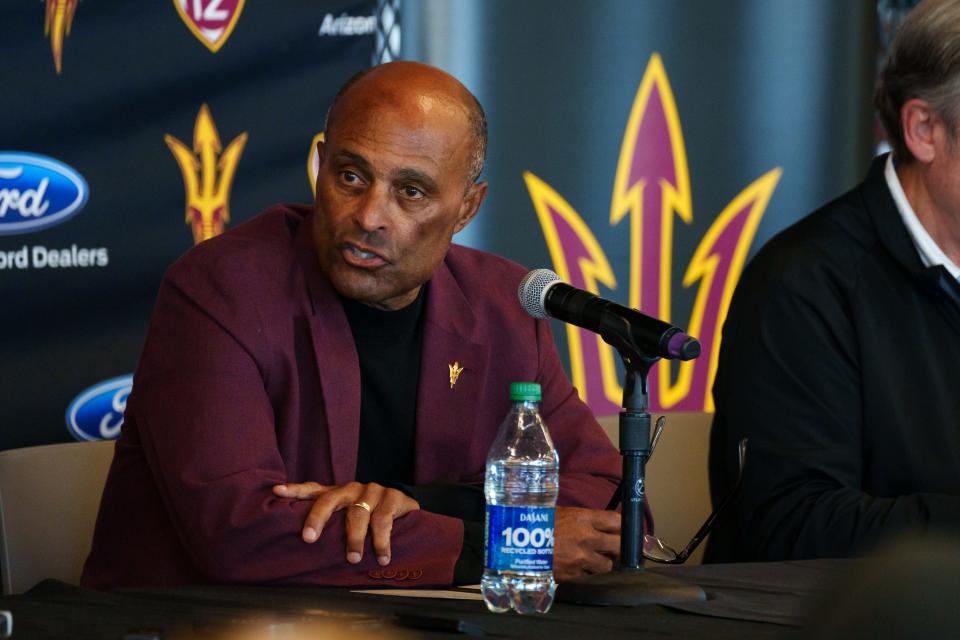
930	252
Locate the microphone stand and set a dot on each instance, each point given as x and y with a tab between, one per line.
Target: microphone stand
629	584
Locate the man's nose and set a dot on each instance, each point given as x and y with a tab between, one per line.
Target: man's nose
372	212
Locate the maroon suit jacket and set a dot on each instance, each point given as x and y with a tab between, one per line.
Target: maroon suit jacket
249	378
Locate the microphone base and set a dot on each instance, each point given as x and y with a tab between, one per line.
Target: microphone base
628	588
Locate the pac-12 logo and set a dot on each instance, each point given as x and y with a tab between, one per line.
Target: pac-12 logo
37	192
211	21
97	413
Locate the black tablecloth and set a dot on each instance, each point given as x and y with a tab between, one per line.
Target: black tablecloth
762	600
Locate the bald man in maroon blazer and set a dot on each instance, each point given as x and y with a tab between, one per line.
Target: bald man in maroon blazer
296	357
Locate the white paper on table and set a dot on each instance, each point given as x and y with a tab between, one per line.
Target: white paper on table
469	592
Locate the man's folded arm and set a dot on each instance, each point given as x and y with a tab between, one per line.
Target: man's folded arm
208	432
465	502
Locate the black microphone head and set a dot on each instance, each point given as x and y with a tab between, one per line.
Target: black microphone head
533	290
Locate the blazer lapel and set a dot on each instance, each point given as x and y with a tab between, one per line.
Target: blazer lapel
337	362
452	372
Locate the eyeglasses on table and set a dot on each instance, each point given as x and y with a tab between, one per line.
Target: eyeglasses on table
655	549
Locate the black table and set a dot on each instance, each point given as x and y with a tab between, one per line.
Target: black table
753	600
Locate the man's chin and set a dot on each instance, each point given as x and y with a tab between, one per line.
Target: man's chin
354	291
363	290
377	297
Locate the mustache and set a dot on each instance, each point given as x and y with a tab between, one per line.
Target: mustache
370	240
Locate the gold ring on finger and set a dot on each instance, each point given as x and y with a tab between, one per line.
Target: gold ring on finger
362	505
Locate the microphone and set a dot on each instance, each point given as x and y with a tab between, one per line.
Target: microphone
542	293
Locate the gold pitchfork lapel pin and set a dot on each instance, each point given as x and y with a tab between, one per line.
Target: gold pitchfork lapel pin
455	371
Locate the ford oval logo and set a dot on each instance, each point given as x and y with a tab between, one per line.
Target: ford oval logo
97	413
37	192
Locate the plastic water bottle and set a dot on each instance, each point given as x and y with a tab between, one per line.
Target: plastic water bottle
520	486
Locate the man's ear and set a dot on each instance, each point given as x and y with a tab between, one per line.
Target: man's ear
321	156
471	204
919	121
321	149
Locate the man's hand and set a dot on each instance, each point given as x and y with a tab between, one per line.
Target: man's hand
586	541
386	505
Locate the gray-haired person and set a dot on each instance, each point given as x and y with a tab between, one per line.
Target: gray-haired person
841	352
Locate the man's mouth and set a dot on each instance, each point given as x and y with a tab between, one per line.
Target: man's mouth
364	255
359	256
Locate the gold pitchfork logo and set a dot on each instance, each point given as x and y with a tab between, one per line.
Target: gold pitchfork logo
56	24
207	176
455	371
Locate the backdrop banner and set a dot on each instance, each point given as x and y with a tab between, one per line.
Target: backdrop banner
128	132
643	150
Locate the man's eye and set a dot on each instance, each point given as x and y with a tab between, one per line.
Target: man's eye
349	177
411	192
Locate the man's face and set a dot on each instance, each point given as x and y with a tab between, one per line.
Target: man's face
944	185
391	192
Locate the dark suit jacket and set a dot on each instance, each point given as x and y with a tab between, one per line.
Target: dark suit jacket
840	362
249	378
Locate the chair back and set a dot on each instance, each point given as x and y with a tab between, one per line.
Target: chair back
49	497
677	477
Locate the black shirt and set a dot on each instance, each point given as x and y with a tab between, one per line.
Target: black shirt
388	346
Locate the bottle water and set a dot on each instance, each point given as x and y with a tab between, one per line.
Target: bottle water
520	486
